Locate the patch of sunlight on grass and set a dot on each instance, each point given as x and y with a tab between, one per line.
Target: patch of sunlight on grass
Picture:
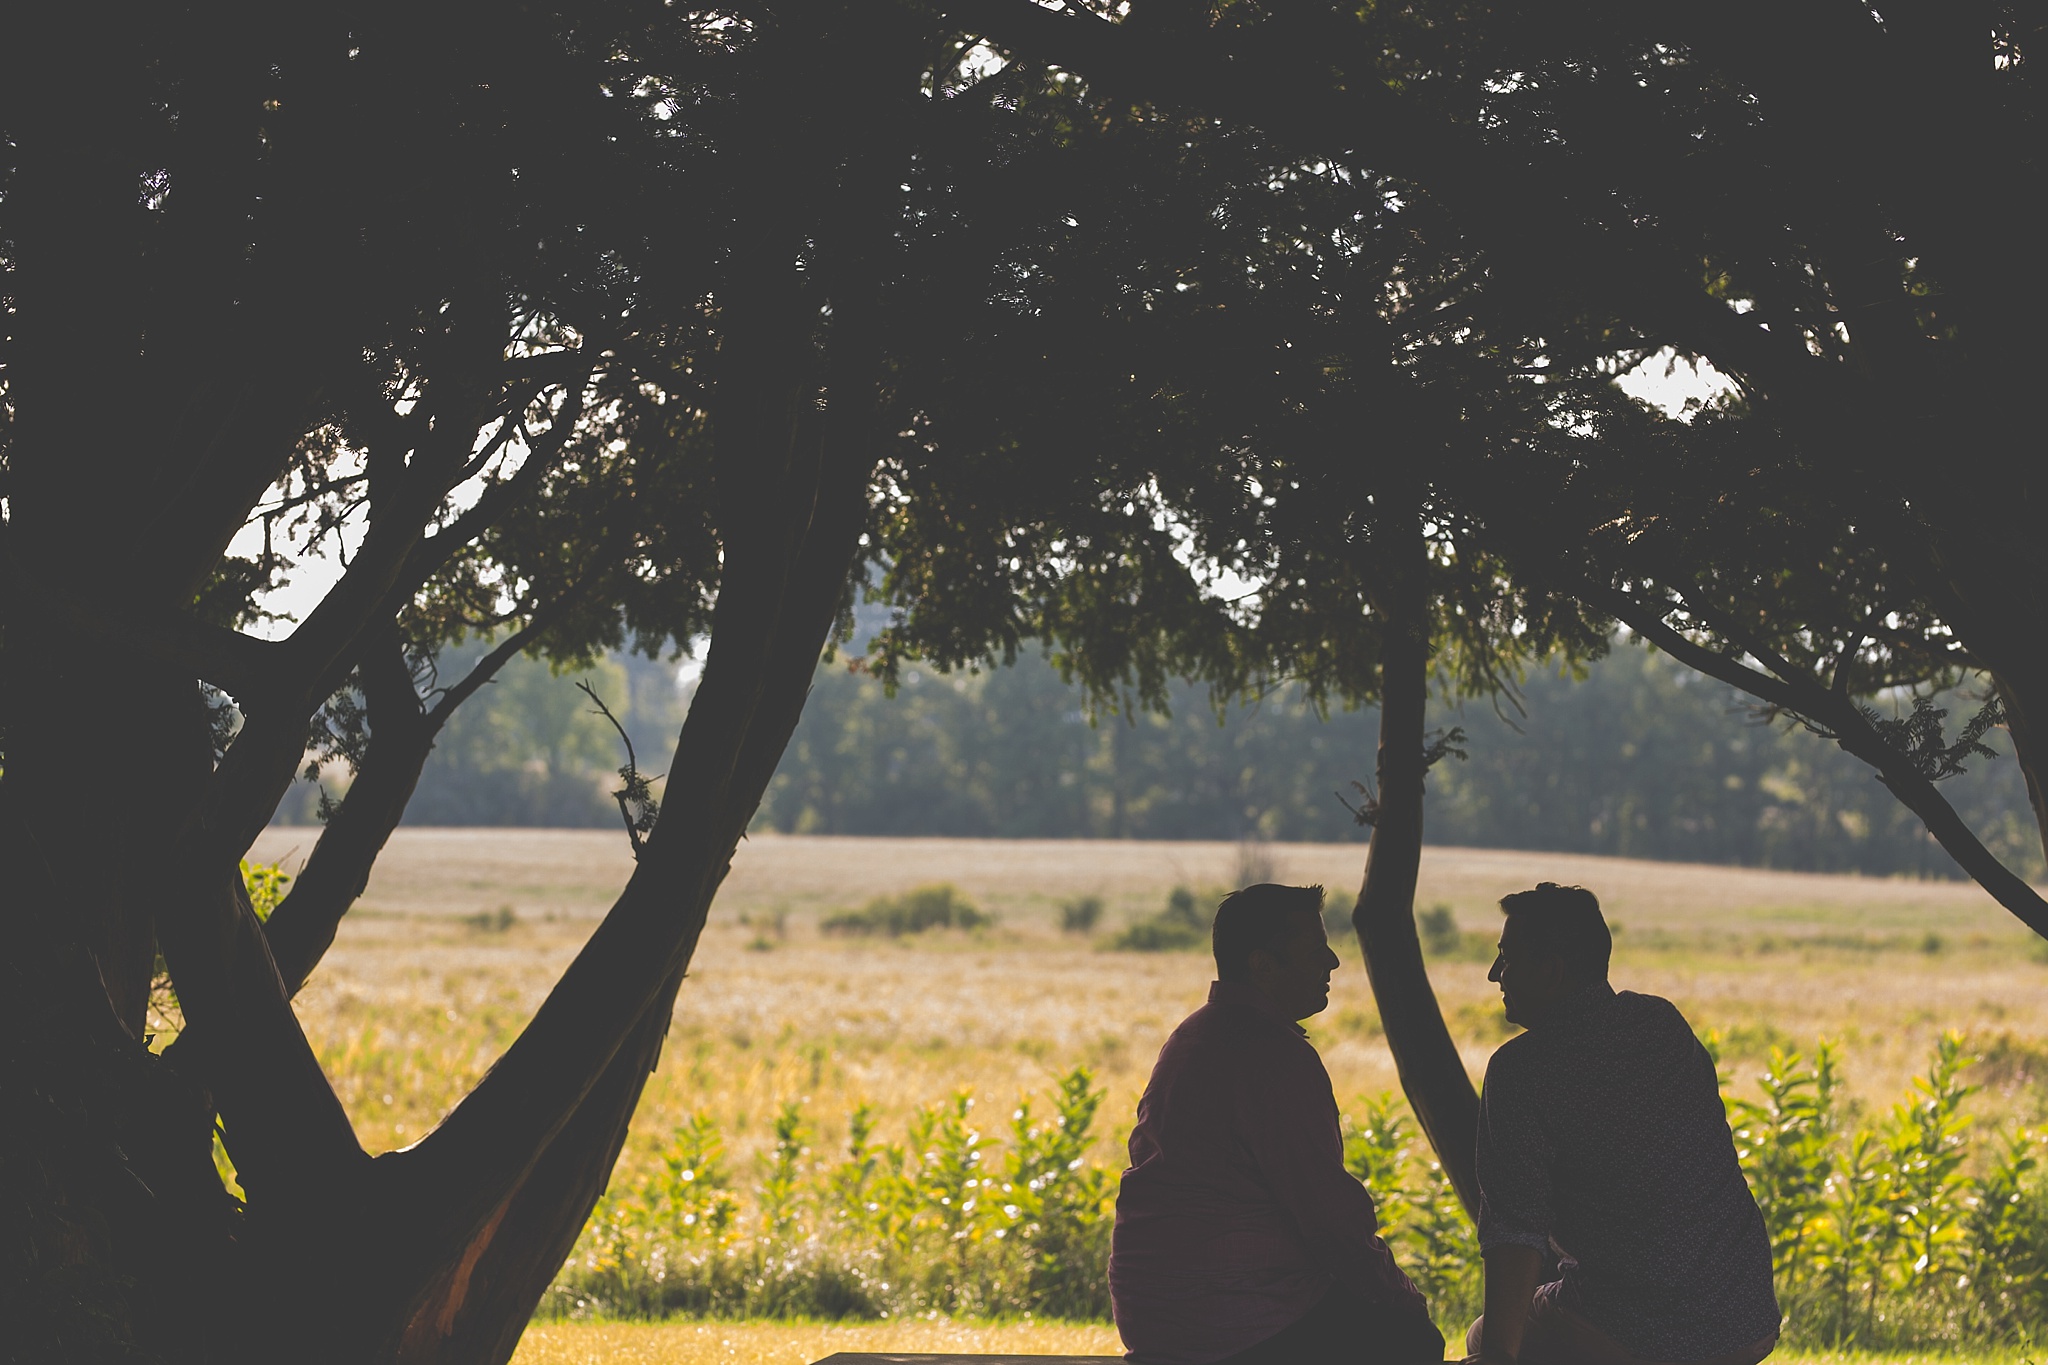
800	1343
797	1343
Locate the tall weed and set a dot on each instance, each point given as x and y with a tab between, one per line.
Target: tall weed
1882	1237
1892	1235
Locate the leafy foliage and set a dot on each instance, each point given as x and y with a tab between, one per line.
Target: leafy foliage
941	1222
1179	926
1080	915
1891	1236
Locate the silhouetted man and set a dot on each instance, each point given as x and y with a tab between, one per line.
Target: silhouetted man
1240	1237
1603	1143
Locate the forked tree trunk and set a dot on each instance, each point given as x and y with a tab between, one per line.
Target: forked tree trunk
506	1183
1432	1073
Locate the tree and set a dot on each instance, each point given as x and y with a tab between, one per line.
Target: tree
1222	433
1629	181
1653	180
500	302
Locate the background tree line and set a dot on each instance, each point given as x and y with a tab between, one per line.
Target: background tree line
1639	757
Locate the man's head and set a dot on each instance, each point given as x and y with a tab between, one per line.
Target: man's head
1271	938
1554	941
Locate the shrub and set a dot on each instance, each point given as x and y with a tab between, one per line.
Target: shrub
1181	925
1420	1217
1158	935
1439	929
939	906
1881	1237
1080	916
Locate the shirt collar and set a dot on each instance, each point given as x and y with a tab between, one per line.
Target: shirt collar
1240	993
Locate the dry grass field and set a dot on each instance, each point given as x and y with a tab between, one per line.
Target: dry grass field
428	982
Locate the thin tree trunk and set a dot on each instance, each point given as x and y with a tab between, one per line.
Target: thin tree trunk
302	928
1432	1073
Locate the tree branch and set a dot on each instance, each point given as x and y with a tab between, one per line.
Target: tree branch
241	665
1802	696
1521	216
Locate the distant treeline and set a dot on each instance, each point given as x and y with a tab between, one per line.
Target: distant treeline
1640	758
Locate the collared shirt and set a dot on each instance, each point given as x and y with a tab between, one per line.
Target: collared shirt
1602	1137
1237	1215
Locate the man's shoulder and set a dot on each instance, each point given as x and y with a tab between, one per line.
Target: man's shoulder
1517	1056
1650	1011
1224	1032
1209	1027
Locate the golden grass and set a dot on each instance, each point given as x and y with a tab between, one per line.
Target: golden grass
411	1005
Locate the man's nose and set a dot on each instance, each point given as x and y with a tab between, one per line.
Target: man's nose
1493	972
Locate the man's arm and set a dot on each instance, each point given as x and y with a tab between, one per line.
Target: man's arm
1511	1275
1292	1130
1513	1161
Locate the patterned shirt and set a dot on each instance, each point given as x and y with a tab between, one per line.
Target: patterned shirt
1237	1214
1602	1137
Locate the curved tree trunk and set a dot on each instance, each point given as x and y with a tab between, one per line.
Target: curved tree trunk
478	1309
498	1193
1432	1073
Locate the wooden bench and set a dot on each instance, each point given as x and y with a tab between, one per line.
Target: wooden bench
902	1358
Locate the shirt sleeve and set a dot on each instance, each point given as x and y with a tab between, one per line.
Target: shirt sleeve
1291	1127
1514	1161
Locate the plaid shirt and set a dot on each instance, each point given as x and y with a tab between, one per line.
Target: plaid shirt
1602	1138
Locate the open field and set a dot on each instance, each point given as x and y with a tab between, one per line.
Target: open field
413	1002
428	982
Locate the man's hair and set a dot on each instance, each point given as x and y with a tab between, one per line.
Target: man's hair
1564	921
1257	917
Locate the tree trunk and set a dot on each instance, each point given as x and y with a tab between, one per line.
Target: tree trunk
478	1309
2029	749
302	927
1432	1073
497	1194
